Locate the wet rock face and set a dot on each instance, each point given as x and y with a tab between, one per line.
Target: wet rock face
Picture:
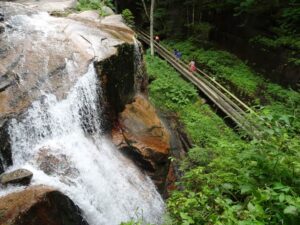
122	77
5	149
49	5
141	135
1	17
117	75
2	29
58	165
39	205
55	164
20	176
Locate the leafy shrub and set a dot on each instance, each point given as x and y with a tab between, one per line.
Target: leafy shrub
131	223
275	42
177	92
83	5
88	5
201	30
128	17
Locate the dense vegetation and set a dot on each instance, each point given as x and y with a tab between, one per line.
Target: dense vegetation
228	180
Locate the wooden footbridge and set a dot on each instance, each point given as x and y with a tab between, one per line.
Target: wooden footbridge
232	106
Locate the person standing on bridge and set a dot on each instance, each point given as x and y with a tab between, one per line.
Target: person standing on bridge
192	66
177	54
157	39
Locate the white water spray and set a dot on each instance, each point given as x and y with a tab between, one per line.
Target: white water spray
105	184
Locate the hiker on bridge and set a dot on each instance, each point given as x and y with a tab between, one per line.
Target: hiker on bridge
177	54
157	39
192	66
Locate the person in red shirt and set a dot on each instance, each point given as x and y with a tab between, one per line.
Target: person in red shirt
192	66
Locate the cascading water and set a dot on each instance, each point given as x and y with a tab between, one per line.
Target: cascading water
105	184
138	65
60	141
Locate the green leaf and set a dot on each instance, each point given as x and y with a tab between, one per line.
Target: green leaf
251	207
291	210
246	189
281	197
227	186
259	209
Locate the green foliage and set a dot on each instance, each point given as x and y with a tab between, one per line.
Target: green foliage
295	61
227	180
131	223
177	92
83	5
200	30
2	213
290	19
290	41
243	6
128	17
87	5
282	41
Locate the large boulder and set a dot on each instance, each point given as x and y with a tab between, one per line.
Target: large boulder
142	135
39	205
20	176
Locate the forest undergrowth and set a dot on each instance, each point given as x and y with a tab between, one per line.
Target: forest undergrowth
227	179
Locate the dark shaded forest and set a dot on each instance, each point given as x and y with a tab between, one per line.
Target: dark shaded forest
265	33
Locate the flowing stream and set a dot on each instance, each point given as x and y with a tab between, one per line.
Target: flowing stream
60	141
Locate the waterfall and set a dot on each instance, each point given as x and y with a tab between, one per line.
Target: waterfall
138	65
60	141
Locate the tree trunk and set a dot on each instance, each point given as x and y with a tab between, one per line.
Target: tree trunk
145	9
151	27
193	20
